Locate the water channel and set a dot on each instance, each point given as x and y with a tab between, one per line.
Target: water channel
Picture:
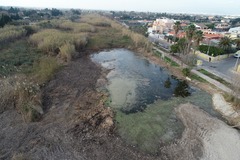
144	96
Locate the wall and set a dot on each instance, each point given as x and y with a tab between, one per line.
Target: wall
213	59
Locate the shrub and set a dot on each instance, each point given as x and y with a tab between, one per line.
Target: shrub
215	51
6	94
44	69
28	99
66	52
186	71
20	92
10	33
49	40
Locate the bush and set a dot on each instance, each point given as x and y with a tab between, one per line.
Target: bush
44	69
20	92
7	94
186	71
49	40
66	52
10	33
215	51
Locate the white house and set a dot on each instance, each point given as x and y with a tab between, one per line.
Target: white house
234	32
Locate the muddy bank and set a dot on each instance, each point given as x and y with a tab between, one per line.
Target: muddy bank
204	137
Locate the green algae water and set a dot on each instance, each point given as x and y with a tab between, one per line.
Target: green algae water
144	96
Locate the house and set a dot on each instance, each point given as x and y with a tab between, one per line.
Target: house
200	26
181	34
163	25
222	27
233	33
211	38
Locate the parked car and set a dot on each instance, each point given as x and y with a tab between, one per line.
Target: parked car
237	54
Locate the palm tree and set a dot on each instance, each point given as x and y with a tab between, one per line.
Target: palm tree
176	27
225	43
189	35
197	37
237	42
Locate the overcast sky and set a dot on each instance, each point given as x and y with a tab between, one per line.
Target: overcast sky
230	7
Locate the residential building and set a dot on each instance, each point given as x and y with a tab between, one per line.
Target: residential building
163	25
222	27
200	26
233	33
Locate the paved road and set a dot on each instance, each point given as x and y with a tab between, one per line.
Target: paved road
223	68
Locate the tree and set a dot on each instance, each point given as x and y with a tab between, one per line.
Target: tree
176	27
174	48
56	12
180	46
190	30
237	42
225	43
210	25
4	19
197	37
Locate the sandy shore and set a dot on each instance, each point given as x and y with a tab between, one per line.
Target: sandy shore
204	137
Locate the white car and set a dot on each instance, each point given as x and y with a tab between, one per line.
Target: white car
237	54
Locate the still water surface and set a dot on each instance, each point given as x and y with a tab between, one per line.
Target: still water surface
144	96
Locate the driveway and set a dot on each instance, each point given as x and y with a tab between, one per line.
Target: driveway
223	68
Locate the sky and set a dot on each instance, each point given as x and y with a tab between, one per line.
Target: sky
222	7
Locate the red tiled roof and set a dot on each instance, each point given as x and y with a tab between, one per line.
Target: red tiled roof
212	36
179	35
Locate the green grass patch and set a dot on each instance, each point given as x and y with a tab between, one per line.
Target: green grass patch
157	53
198	78
166	59
214	77
18	57
171	62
